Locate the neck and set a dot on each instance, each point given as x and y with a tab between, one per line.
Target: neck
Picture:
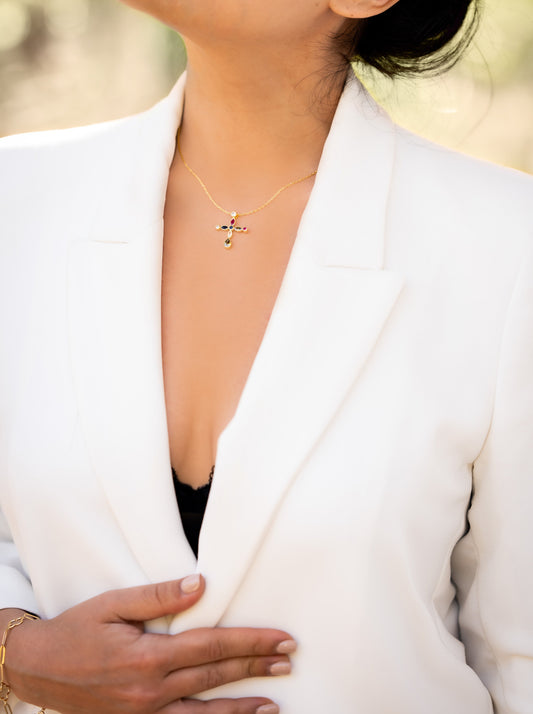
262	120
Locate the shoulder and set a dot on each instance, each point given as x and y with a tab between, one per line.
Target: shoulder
56	183
43	154
43	166
462	179
439	193
470	207
52	183
46	152
55	137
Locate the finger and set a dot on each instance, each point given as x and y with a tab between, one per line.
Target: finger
194	680
148	602
204	645
254	705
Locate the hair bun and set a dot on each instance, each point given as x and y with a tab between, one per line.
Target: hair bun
412	36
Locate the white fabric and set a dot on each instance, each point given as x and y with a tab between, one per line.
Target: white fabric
396	371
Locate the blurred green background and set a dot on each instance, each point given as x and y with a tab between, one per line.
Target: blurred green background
70	62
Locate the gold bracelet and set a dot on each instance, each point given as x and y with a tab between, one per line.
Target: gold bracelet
5	689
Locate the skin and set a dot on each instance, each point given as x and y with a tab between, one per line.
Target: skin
262	86
263	83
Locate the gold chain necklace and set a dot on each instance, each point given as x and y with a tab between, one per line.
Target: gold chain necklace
233	227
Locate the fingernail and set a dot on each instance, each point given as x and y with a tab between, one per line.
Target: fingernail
286	647
280	668
190	584
268	709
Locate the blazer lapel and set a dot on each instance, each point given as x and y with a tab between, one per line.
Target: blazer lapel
332	306
114	308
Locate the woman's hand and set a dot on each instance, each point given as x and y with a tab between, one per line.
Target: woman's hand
96	657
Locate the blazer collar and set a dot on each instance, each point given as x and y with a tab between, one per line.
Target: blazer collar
131	157
348	203
354	180
333	304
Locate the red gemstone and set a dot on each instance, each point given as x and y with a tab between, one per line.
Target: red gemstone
232	221
245	229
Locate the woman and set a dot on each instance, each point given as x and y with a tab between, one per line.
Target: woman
355	365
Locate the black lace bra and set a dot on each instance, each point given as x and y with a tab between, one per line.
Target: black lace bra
192	503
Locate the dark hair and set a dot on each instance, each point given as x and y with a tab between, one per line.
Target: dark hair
411	36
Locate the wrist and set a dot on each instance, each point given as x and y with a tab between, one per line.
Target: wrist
11	645
7	614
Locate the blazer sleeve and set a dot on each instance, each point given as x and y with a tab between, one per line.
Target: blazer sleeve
24	171
15	589
492	566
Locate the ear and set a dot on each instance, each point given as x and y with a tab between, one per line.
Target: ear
358	9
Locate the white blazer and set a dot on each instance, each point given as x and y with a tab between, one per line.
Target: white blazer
393	385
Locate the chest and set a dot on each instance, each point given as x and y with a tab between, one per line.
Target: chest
216	307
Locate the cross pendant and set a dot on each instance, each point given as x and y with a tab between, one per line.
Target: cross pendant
232	228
